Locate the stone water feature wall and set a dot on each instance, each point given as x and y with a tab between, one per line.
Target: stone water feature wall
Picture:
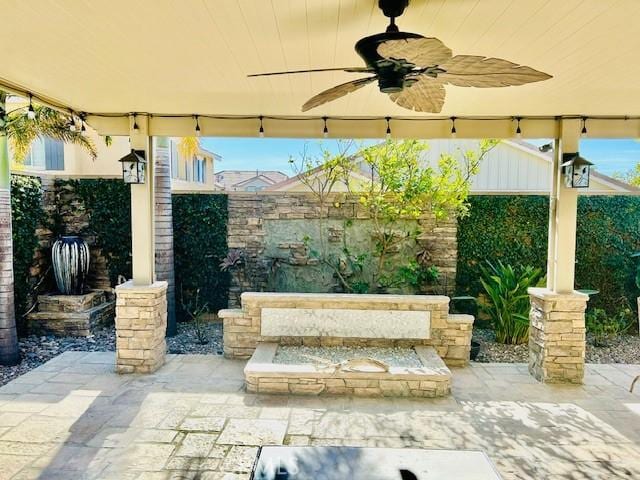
270	229
65	212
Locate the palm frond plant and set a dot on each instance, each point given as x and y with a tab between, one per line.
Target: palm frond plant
19	128
22	131
507	300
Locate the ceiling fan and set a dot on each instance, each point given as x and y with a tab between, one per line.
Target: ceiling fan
414	69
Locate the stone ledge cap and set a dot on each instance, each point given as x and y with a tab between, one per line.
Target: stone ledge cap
546	294
129	287
460	318
265	297
231	313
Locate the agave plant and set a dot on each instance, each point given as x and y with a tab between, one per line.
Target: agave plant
233	259
507	302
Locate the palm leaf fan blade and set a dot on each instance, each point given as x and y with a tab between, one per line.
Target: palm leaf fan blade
336	92
423	52
425	95
485	72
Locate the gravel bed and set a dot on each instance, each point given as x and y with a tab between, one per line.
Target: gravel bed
36	350
621	349
186	340
394	357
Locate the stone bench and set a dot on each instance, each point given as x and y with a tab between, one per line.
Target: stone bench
318	319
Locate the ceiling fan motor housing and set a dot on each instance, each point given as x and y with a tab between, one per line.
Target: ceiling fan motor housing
391	74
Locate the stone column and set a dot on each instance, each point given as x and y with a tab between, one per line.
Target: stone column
141	323
557	336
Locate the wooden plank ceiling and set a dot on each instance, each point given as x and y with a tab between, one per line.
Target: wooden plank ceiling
192	56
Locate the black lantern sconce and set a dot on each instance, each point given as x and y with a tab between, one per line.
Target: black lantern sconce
575	170
134	167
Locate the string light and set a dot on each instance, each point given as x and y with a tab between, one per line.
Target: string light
261	130
454	132
31	113
72	124
325	130
518	129
388	134
197	126
136	128
583	132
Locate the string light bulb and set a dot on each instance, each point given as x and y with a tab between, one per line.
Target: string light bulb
72	124
388	134
454	132
136	128
197	126
583	132
518	129
31	113
261	129
325	130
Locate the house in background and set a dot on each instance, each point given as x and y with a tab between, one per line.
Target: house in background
49	157
513	167
192	174
248	180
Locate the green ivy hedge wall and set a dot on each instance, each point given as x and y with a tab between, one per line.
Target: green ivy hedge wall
108	203
514	229
27	215
200	244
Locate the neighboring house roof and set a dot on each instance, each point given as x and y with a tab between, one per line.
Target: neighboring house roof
606	182
513	167
295	183
237	179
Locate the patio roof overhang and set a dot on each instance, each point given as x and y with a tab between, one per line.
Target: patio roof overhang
111	58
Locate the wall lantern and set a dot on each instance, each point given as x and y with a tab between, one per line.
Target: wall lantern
133	167
575	170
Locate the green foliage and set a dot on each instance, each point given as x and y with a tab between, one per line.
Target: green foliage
22	131
397	191
200	245
27	215
607	236
417	274
604	327
510	229
513	229
402	187
507	302
108	203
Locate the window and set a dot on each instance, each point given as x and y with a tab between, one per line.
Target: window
36	156
174	160
199	170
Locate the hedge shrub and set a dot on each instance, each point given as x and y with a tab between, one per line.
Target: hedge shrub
510	229
108	202
27	215
200	244
608	233
513	229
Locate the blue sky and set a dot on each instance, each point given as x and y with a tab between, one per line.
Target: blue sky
609	156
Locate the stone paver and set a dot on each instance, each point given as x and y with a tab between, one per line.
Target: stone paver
253	432
172	424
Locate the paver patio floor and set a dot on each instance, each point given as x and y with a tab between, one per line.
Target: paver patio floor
74	418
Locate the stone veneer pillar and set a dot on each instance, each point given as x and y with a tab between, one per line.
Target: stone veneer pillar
141	323
557	336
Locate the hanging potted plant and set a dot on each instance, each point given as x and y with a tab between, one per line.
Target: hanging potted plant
70	259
